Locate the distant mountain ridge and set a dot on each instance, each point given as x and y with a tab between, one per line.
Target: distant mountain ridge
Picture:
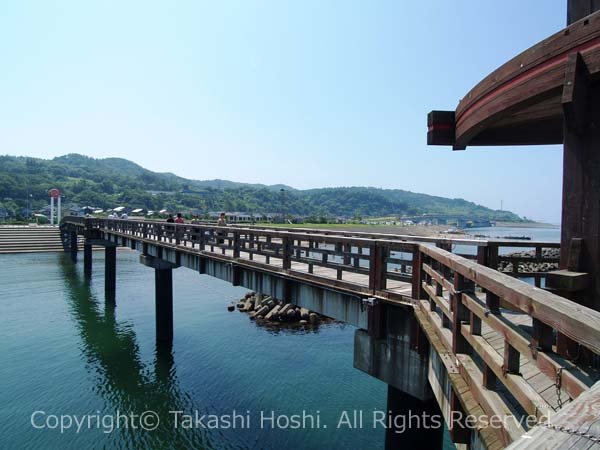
109	182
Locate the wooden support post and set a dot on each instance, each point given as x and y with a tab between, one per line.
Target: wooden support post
511	359
373	269
492	301
347	251
377	266
515	269
201	239
482	256
489	377
177	234
87	260
492	256
164	304
385	252
460	314
286	253
342	249
417	271
110	272
236	244
439	289
541	336
475	324
581	176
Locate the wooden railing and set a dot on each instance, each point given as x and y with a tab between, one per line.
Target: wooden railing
377	267
495	253
462	301
387	255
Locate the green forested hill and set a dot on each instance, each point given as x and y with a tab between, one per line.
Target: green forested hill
110	182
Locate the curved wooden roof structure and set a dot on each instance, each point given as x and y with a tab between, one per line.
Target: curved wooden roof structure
521	103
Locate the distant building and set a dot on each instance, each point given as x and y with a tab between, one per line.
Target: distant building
232	217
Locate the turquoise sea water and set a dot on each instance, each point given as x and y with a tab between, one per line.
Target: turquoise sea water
64	352
535	234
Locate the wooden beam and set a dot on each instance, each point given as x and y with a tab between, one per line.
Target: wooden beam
440	128
575	93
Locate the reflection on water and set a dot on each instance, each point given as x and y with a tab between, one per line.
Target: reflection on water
70	352
122	378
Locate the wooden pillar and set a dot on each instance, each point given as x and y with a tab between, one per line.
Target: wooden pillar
87	260
417	292
110	272
581	175
73	245
407	434
163	279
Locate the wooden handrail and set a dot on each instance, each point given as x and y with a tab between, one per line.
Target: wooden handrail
576	321
323	242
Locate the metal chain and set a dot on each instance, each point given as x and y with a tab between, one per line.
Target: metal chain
571	431
558	384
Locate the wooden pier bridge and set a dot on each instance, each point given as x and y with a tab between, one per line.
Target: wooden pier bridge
449	334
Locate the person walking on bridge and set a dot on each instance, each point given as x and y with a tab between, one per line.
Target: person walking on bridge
179	218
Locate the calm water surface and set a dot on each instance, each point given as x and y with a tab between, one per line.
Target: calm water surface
65	352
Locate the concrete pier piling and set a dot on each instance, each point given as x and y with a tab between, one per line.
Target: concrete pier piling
163	302
87	260
110	272
73	245
163	279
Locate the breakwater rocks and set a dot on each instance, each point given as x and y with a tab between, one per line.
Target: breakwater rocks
265	308
531	267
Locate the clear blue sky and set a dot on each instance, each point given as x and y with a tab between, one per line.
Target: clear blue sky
307	93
